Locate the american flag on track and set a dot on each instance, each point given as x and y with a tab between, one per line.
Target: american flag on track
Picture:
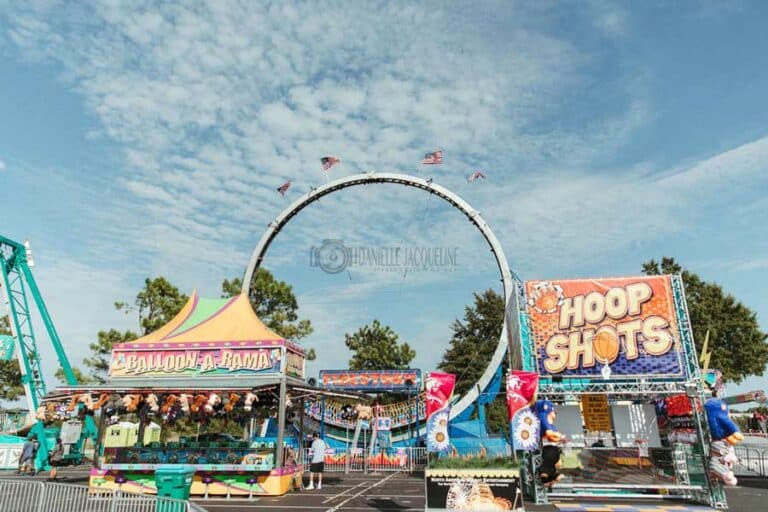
477	175
435	157
284	188
329	161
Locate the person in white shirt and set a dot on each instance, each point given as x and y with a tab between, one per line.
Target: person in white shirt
317	463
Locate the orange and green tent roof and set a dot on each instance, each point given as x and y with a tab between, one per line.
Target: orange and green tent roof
210	321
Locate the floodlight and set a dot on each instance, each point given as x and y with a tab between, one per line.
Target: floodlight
28	251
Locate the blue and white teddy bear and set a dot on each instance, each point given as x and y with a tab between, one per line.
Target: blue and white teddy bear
725	434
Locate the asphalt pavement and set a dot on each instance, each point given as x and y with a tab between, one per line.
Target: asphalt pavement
400	492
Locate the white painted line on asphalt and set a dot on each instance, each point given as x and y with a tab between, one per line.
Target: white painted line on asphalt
342	493
238	507
374	484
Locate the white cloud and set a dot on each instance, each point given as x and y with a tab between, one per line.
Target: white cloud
214	105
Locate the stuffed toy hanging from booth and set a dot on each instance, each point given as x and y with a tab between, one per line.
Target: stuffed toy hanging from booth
725	434
551	453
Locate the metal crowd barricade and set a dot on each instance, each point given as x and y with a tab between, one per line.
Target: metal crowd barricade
14	493
388	459
752	459
33	496
356	460
418	458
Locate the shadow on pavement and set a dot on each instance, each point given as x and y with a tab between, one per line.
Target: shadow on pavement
386	504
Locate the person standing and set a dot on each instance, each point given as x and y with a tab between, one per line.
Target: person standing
27	458
318	462
57	456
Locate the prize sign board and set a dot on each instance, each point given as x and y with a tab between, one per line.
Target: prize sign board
383	423
619	327
597	414
472	489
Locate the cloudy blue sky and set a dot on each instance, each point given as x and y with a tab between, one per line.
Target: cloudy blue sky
145	138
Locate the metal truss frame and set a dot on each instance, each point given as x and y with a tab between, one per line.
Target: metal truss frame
570	389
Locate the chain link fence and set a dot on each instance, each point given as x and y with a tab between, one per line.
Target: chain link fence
33	496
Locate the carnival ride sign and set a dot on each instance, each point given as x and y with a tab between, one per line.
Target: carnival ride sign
294	364
214	361
622	327
371	380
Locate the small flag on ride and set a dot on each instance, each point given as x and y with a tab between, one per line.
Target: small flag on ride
439	390
438	440
284	188
477	175
329	161
439	387
521	390
435	157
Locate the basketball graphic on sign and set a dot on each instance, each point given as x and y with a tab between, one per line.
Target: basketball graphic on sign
606	346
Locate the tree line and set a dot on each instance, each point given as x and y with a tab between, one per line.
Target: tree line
733	329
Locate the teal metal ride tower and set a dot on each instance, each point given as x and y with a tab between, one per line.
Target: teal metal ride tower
18	286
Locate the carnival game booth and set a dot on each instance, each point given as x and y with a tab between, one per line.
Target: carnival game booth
215	362
621	400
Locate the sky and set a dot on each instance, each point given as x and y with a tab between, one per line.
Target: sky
148	138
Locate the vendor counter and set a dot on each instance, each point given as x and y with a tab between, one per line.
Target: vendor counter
213	482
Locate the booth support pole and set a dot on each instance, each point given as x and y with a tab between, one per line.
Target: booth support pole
301	431
280	424
301	422
322	417
416	415
98	445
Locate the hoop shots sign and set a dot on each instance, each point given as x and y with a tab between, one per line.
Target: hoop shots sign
622	327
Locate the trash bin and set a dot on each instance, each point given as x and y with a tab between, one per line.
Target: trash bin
174	481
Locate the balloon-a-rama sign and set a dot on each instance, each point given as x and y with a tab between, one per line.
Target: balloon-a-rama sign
616	328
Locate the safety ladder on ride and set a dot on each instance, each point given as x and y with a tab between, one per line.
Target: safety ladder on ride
680	463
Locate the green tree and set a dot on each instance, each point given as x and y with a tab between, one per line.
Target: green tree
474	340
102	351
274	303
157	303
739	347
79	376
376	347
10	375
472	345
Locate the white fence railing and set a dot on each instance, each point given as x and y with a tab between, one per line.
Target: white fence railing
752	459
356	460
33	496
